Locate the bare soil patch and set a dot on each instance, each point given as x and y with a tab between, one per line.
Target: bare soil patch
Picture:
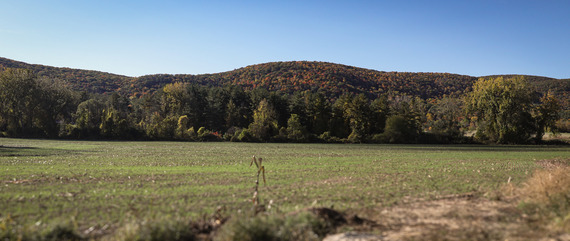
553	163
459	217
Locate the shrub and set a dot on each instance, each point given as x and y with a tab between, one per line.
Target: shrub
399	129
164	229
329	138
246	136
232	134
303	226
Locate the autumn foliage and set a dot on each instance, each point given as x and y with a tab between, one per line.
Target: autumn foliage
297	101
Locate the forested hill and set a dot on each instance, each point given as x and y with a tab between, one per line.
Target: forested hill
331	79
288	77
80	80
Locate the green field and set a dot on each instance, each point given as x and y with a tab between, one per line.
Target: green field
107	184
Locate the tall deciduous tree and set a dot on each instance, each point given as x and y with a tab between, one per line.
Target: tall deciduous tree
546	114
264	124
444	117
33	107
502	107
295	130
17	99
56	104
175	99
88	118
185	99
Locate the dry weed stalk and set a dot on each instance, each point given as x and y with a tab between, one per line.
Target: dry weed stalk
260	170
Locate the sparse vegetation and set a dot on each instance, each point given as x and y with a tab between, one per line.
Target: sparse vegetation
100	189
302	227
546	197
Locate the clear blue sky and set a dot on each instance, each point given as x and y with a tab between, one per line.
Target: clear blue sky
134	38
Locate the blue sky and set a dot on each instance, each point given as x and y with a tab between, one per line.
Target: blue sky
136	38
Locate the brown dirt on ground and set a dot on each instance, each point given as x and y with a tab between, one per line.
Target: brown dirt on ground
459	217
474	216
553	163
452	218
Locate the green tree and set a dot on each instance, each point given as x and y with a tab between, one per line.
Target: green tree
88	118
175	99
160	128
30	106
297	106
546	115
318	112
264	124
340	124
400	129
215	113
379	112
280	105
295	130
358	112
182	130
185	99
56	103
444	118
18	89
116	120
502	109
238	110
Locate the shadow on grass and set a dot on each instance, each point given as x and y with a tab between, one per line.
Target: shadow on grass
23	151
470	148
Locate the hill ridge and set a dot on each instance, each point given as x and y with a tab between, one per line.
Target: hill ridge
288	77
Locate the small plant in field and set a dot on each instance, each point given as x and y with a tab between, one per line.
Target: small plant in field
260	170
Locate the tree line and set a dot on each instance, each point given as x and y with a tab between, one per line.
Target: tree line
497	110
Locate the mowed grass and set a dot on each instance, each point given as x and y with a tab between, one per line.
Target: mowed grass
108	184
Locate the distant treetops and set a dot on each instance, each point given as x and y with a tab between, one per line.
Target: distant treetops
499	110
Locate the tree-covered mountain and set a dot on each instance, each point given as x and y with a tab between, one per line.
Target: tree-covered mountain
328	78
77	79
289	77
281	101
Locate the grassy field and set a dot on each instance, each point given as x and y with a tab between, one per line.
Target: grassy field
104	185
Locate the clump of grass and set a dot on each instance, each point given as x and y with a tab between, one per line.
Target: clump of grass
62	231
546	197
56	230
164	229
303	226
8	229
